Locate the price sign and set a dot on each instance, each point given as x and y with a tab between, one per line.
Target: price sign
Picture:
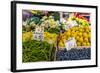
71	43
38	34
71	24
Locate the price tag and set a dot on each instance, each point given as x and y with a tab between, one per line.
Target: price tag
38	34
70	43
71	24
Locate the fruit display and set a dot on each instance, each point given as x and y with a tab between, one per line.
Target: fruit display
82	36
48	36
73	54
81	21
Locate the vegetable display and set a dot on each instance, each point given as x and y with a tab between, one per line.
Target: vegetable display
46	33
26	36
50	38
37	51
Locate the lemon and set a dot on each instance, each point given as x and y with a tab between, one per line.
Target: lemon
86	39
85	34
73	31
81	30
88	44
89	35
73	35
68	34
78	44
76	32
80	33
61	44
84	44
80	39
87	30
77	38
87	27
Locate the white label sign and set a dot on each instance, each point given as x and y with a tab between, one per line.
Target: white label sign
71	24
71	43
38	34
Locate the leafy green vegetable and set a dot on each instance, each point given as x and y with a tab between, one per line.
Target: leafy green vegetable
35	19
53	30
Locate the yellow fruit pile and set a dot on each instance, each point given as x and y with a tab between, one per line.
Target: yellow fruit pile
50	37
82	36
26	36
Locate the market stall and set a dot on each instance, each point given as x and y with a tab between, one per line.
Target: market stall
49	36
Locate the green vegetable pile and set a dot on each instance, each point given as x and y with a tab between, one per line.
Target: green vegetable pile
34	51
53	30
